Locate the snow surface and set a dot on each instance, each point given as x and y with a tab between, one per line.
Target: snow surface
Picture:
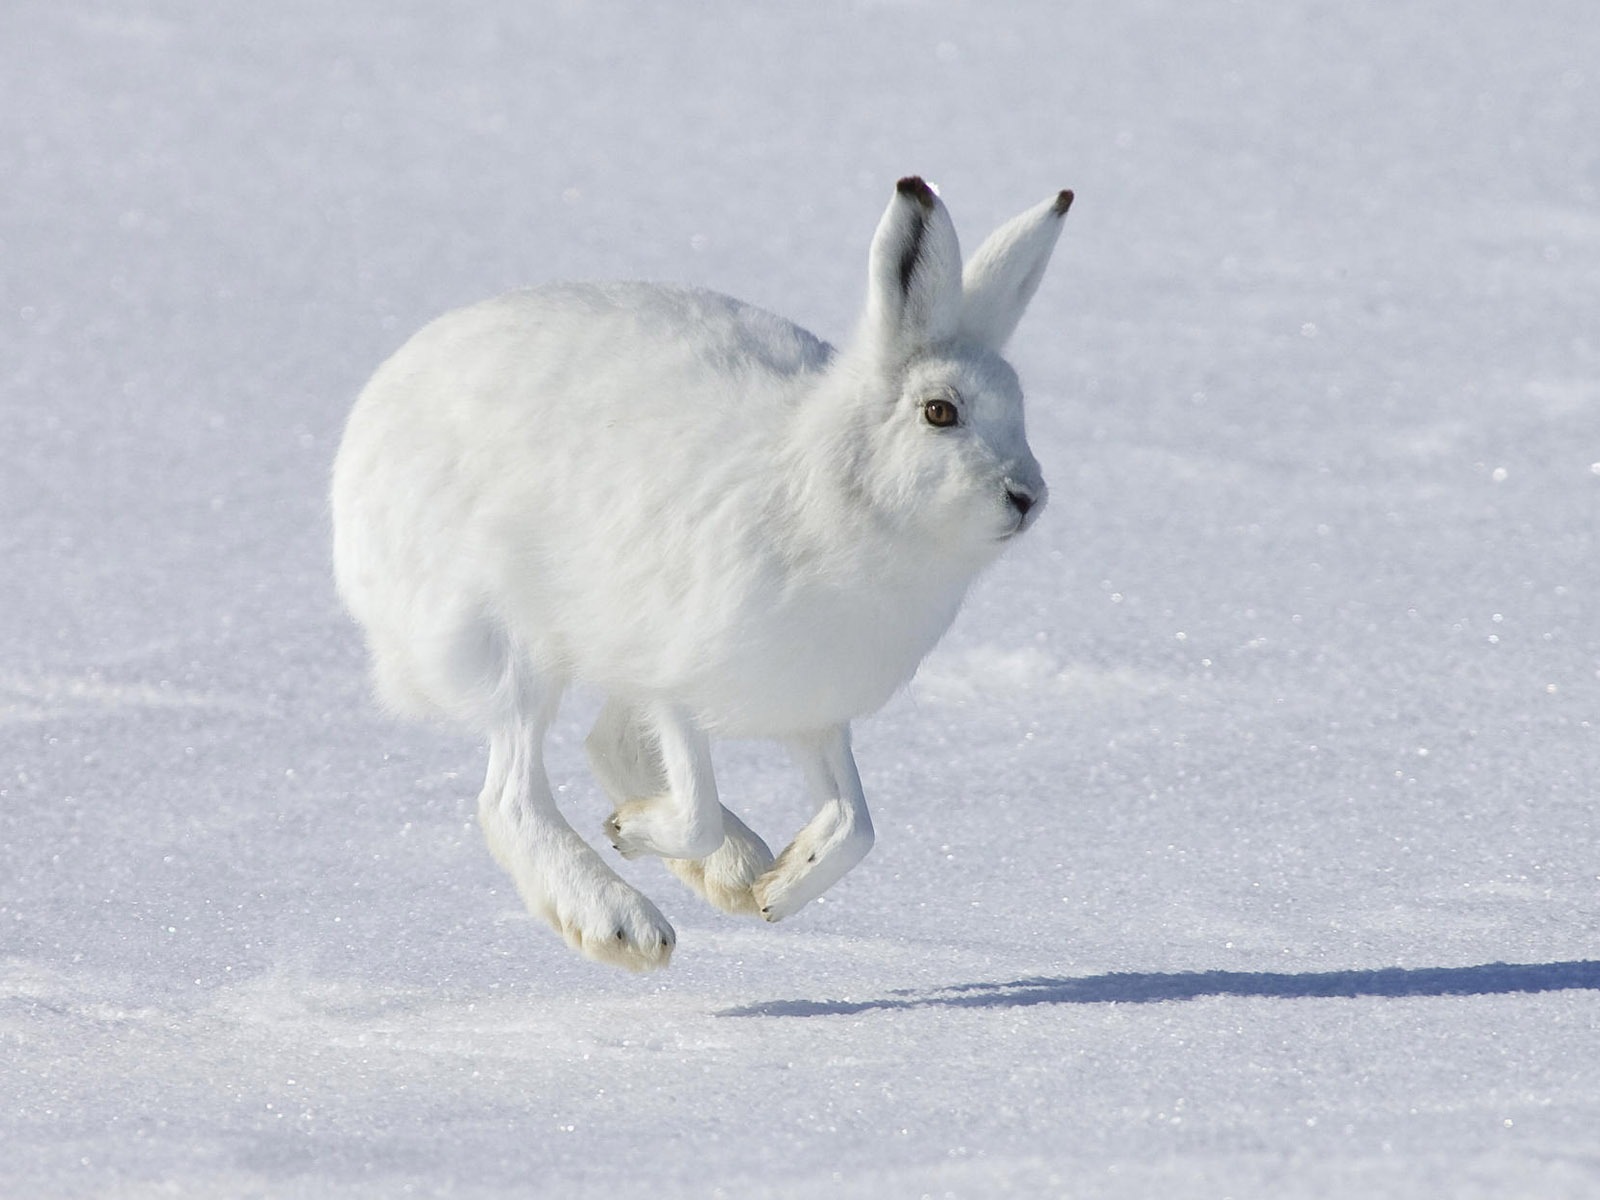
1202	837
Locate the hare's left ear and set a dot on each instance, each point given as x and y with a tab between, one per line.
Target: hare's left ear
914	273
1005	272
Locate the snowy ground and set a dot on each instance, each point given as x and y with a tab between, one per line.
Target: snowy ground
1201	838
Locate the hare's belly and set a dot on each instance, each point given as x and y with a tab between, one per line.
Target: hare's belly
804	675
764	697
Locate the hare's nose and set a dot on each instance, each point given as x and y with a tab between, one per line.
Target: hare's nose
1021	501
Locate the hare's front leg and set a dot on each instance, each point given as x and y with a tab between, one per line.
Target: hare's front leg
835	840
680	817
558	875
629	751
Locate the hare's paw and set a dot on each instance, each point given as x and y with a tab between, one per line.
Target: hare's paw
726	878
656	826
819	857
616	926
564	883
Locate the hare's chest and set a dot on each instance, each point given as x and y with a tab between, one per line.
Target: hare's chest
819	660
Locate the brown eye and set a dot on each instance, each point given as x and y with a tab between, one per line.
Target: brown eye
941	414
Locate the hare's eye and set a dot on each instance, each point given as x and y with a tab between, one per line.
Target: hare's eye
940	413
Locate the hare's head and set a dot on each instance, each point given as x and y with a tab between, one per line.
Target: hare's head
945	445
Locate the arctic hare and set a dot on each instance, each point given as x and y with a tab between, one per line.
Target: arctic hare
717	520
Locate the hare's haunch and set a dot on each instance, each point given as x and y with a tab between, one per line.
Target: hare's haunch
720	522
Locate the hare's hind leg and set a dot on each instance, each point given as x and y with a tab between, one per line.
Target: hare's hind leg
558	875
656	767
835	840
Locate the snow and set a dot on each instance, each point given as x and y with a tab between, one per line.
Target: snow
1238	841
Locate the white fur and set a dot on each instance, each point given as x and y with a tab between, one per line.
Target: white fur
700	509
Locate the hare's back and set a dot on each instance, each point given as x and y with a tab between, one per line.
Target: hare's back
632	380
722	332
615	352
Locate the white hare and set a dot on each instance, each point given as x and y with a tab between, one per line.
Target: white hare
720	522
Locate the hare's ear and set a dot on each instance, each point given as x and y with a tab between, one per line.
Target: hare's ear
914	272
1005	272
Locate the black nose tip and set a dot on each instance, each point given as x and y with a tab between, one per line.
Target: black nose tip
1020	501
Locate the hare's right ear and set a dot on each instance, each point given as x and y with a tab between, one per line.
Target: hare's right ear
1005	271
914	273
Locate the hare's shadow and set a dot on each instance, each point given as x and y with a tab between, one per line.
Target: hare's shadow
1490	979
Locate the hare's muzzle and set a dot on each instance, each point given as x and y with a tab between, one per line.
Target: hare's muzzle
1025	499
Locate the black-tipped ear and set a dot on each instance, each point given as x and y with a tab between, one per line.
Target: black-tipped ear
914	271
913	187
1005	272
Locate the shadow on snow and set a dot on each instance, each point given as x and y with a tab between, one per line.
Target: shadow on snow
1491	979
